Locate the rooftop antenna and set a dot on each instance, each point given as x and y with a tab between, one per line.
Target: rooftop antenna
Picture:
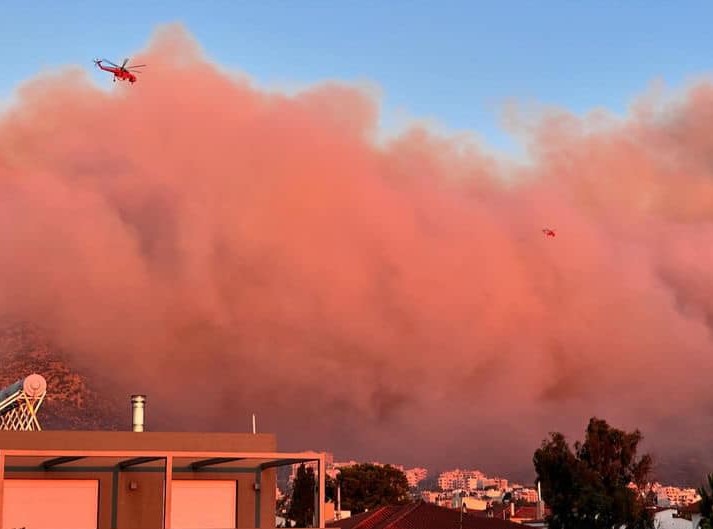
254	429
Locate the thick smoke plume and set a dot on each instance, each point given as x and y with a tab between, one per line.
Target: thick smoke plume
229	250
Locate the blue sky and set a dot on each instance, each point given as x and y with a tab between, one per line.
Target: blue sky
456	62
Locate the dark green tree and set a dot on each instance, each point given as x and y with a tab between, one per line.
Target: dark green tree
301	509
330	489
589	488
706	504
366	486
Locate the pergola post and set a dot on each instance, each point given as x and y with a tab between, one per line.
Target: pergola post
322	485
168	487
257	487
319	497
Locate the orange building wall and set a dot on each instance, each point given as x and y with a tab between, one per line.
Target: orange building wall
140	508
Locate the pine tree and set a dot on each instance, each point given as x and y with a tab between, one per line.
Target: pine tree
589	488
301	509
706	504
367	486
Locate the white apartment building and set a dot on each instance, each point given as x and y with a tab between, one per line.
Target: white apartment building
677	496
528	495
459	479
415	475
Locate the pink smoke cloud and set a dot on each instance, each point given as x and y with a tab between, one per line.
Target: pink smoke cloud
228	250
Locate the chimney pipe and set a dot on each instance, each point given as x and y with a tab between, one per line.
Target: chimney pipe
137	407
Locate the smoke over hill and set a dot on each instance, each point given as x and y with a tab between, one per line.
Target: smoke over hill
73	401
228	250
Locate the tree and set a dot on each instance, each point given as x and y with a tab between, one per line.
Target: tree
301	509
706	504
330	489
367	486
590	487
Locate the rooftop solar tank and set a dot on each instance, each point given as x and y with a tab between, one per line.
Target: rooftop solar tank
20	401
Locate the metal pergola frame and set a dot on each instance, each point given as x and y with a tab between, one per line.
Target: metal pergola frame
205	460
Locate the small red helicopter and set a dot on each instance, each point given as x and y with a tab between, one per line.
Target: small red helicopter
123	72
548	232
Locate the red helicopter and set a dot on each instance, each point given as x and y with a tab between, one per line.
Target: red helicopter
123	72
548	232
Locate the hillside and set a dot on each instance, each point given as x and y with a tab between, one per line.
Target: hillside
72	402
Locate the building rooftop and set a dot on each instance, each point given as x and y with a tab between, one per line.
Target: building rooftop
420	515
123	440
693	508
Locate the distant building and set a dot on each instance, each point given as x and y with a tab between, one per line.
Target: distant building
471	503
691	512
681	497
460	479
528	495
429	496
331	513
414	476
470	480
450	480
669	519
667	496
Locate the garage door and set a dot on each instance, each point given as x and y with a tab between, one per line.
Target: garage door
50	504
203	504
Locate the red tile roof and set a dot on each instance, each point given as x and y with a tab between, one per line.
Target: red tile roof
420	515
526	511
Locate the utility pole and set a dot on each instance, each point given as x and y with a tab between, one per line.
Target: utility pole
462	507
338	514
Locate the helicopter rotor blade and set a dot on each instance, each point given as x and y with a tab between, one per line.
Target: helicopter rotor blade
123	65
107	61
136	66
